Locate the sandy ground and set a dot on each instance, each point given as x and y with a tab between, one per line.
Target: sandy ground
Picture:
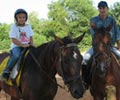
65	95
61	94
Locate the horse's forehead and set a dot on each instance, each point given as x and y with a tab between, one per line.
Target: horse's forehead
67	40
70	49
102	33
102	37
102	58
98	35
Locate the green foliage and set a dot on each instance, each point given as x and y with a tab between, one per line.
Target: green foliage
4	32
5	45
39	39
71	16
4	37
35	22
86	42
115	11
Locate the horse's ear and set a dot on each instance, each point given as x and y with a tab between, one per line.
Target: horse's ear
79	38
58	39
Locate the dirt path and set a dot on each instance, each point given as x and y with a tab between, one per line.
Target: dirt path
64	95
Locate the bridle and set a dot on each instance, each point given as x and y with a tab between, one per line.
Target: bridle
105	54
66	81
105	64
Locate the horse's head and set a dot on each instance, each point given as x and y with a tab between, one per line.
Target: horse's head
102	62
71	64
101	46
101	35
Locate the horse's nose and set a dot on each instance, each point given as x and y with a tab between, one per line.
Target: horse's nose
78	93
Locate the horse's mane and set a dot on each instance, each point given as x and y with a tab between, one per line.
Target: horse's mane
48	54
49	51
46	51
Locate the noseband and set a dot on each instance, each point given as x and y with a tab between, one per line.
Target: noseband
106	63
105	54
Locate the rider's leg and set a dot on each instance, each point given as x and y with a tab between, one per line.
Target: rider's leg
116	51
85	67
15	54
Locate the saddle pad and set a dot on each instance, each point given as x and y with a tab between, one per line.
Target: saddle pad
2	67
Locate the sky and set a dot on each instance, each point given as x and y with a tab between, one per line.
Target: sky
8	8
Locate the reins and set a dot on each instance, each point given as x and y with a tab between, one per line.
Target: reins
35	59
116	59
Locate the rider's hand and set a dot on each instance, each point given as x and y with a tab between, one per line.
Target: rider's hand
26	45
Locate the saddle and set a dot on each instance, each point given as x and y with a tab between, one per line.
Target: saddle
16	69
15	73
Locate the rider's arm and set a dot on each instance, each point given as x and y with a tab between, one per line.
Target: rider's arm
15	41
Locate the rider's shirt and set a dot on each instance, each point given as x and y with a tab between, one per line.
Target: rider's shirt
115	32
21	33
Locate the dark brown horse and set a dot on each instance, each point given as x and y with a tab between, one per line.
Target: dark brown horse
105	70
38	80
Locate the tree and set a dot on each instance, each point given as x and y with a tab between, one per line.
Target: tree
115	12
38	27
4	36
71	16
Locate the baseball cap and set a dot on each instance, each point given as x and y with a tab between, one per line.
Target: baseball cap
102	4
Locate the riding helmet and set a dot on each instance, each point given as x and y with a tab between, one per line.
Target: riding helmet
20	11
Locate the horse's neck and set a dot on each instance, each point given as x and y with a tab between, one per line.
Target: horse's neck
117	60
48	58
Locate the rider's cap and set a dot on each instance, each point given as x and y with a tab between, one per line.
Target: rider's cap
102	4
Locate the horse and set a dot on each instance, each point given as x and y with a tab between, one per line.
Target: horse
42	63
105	67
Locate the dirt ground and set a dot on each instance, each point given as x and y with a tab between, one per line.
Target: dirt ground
65	95
61	94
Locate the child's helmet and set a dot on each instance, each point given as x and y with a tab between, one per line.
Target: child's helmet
20	11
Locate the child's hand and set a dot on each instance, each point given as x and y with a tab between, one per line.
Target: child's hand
26	45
